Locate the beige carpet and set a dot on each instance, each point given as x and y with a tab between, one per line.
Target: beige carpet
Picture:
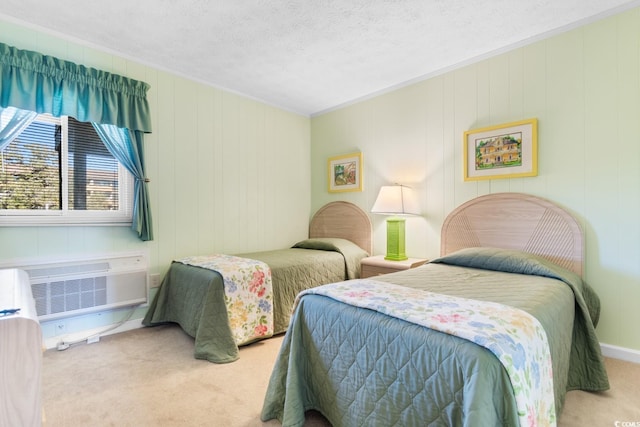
148	377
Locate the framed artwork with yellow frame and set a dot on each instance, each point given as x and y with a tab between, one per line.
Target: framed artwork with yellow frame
504	151
345	173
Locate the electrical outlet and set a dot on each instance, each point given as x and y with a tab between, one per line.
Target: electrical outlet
154	280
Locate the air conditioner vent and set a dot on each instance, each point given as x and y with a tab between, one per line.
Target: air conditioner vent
64	270
71	287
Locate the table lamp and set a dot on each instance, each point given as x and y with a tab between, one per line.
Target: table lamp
396	200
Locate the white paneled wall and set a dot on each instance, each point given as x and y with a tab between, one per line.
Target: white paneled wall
583	86
228	174
231	174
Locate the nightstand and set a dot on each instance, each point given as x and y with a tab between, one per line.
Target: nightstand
376	265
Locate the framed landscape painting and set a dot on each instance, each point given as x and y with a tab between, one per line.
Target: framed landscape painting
345	173
503	151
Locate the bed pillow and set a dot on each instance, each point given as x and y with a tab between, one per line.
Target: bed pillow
508	260
322	244
352	253
514	261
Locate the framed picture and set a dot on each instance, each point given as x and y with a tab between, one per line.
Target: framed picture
504	151
345	173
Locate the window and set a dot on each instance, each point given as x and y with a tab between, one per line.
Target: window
58	171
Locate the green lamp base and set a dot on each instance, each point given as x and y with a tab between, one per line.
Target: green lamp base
395	240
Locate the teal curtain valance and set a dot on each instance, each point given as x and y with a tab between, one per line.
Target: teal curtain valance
45	84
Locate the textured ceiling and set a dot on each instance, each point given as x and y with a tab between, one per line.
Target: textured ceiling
307	56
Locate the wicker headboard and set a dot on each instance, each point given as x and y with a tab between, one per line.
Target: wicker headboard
344	220
516	221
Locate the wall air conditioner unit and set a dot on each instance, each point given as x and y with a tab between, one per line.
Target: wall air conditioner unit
72	287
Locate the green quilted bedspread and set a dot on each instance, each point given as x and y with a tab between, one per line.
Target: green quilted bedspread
360	367
194	298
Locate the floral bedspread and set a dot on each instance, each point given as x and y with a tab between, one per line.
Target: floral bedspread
514	336
248	294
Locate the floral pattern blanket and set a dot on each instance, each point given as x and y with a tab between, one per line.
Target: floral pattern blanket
248	294
514	336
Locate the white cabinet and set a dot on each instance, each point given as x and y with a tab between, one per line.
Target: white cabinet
20	353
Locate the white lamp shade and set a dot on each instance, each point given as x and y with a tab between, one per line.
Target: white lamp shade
396	200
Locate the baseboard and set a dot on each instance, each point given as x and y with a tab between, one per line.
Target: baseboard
621	353
99	332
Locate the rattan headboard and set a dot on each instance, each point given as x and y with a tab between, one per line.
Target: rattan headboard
344	220
516	221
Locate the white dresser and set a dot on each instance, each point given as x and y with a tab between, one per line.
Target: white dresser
20	353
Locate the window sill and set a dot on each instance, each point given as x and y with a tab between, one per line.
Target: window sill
56	221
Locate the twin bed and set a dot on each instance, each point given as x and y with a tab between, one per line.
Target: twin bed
494	332
198	297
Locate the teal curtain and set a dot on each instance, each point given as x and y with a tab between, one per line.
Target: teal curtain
45	84
126	146
12	122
